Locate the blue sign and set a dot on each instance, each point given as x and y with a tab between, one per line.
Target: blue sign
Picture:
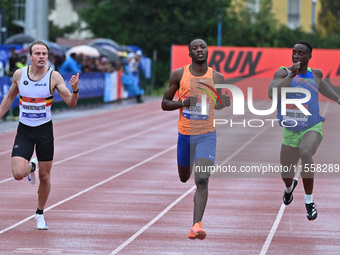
5	84
91	85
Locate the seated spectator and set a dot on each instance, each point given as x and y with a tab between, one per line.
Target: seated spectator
70	65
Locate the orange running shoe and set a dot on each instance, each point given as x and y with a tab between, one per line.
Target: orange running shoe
197	232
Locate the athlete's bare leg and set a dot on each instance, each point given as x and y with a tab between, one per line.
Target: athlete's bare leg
20	167
45	183
289	157
308	147
201	193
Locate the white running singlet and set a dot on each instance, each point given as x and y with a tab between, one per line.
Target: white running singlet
35	99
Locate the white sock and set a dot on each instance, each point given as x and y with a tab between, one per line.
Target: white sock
289	189
309	199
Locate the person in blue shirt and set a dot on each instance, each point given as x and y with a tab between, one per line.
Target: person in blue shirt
70	65
130	82
302	134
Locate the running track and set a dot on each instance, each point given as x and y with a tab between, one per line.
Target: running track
115	190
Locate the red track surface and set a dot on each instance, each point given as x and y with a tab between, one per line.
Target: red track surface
115	190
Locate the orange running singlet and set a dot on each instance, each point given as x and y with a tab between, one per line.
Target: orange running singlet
195	120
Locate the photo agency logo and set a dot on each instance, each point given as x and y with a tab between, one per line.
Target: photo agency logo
204	109
200	111
292	109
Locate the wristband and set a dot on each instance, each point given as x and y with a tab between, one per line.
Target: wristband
75	92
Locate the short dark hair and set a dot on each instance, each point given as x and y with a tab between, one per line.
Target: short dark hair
40	43
197	38
307	44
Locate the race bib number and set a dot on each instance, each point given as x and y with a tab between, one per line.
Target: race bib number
196	112
294	117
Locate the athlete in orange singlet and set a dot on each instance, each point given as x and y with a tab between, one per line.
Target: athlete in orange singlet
196	132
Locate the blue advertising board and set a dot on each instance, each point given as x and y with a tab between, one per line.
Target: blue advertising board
91	85
5	84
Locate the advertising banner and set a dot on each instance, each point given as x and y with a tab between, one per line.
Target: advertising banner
255	67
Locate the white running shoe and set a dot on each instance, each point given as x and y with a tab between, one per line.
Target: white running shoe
32	176
41	224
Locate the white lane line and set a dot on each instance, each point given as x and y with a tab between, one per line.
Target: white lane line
92	187
6	180
276	223
90	129
102	147
107	124
273	230
145	227
243	146
279	216
5	152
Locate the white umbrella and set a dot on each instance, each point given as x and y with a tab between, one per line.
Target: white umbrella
84	49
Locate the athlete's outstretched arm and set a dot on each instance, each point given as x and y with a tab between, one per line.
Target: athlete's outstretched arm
328	91
168	104
58	83
324	88
12	93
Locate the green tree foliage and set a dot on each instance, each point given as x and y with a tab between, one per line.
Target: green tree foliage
55	31
329	17
154	25
248	26
12	28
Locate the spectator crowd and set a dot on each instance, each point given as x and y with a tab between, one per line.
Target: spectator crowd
128	63
74	63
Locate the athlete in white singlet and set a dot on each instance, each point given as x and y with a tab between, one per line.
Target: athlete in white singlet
36	85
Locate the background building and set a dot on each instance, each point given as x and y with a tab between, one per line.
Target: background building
291	13
297	13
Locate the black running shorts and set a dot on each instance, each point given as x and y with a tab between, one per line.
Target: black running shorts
41	137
